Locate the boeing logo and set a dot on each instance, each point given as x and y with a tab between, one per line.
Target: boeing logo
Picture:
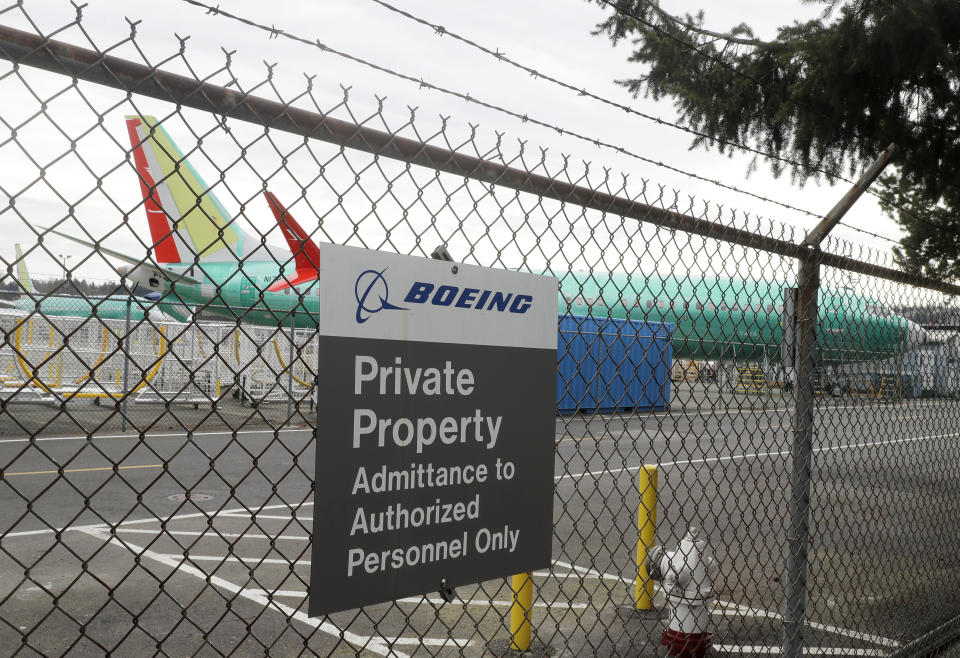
369	284
372	285
482	300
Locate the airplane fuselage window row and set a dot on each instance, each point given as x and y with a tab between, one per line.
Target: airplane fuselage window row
672	304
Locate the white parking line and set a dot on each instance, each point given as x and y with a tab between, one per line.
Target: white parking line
375	644
228	513
785	453
190	557
564	576
31	533
584	571
213	534
247	515
725	608
708	412
429	641
817	626
417	600
818	651
289	593
166	435
754	455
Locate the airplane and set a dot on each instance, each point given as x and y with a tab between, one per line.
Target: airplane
714	317
723	318
113	307
206	259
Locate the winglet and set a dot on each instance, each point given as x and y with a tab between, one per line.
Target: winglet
23	276
305	252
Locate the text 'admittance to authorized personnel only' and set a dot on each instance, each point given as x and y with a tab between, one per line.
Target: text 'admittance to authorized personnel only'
373	379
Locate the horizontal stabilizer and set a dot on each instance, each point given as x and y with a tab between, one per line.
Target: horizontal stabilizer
170	275
289	282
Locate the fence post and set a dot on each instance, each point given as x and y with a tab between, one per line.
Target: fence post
801	453
521	611
125	390
647	526
801	457
293	337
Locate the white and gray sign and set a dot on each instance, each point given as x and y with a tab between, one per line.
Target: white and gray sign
435	435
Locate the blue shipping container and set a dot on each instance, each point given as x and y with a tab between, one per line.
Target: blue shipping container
604	364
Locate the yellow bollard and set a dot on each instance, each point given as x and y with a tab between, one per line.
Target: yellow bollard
647	524
520	611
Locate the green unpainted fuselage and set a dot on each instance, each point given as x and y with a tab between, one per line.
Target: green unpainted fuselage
713	317
105	308
741	319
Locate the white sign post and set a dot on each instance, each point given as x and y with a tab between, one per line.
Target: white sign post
435	426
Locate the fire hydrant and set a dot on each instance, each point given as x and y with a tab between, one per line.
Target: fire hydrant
686	576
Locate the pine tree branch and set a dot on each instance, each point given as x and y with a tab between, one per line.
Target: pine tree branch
756	43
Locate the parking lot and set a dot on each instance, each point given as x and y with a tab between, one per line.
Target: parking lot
201	538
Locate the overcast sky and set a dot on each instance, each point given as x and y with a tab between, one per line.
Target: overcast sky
552	36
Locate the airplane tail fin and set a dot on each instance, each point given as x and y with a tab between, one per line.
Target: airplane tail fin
187	221
306	254
23	276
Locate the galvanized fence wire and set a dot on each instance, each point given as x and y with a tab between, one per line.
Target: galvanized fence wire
157	456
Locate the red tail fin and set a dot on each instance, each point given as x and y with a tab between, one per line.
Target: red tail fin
305	252
164	246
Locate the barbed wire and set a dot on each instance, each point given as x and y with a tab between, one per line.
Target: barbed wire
275	31
442	31
866	232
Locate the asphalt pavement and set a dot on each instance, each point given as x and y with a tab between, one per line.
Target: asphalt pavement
203	538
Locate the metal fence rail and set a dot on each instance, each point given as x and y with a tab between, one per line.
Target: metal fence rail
156	468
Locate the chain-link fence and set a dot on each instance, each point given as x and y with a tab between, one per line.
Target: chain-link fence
795	406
